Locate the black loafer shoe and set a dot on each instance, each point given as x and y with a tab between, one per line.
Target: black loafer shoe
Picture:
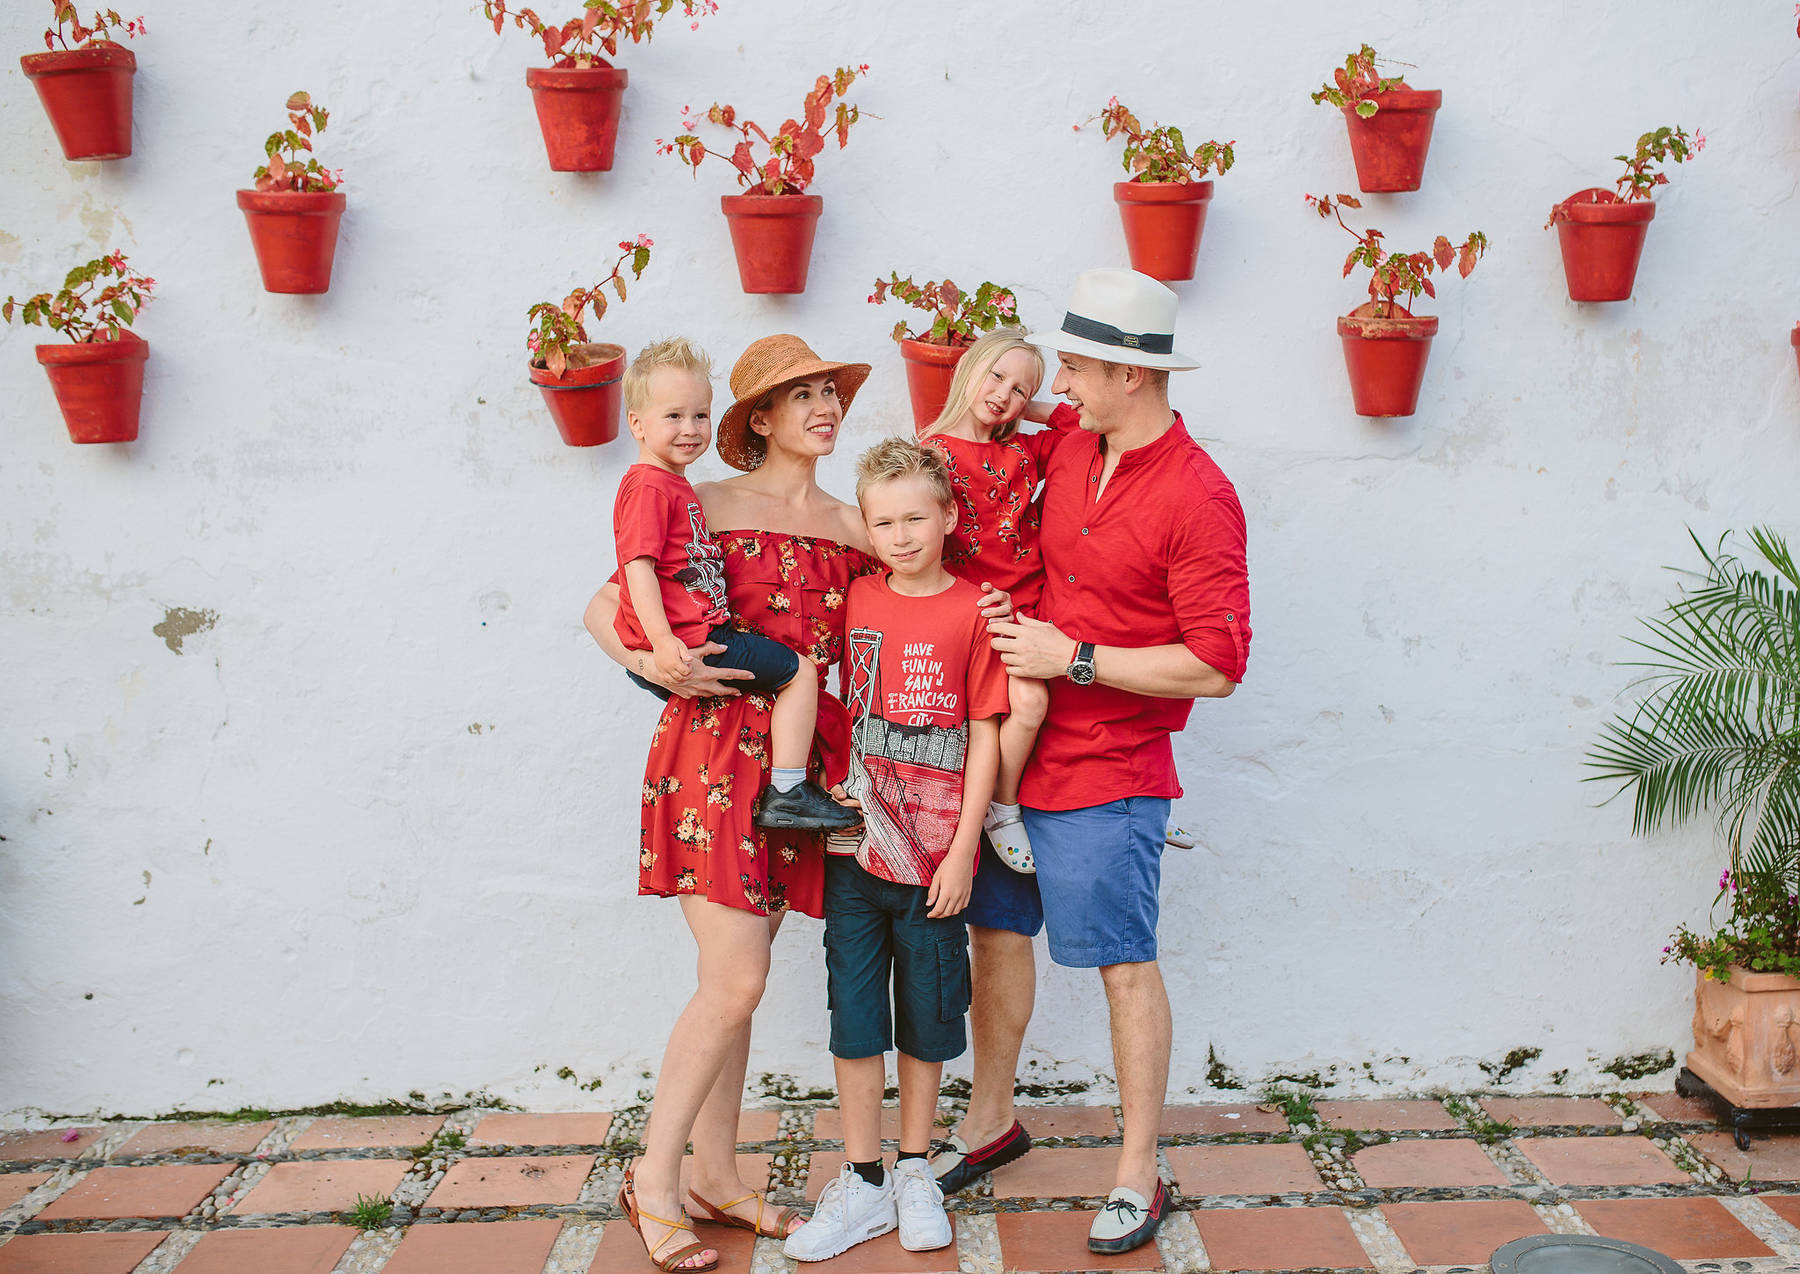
955	1165
805	808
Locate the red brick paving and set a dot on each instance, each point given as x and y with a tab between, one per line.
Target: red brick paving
1684	1229
1460	1232
1785	1206
1443	1161
1052	1242
1387	1116
77	1253
1069	1121
1056	1172
1279	1239
567	1129
885	1256
1770	1158
1178	1121
491	1181
200	1138
1275	1169
1541	1112
622	1252
1678	1109
48	1143
499	1247
322	1185
1601	1161
114	1193
343	1133
295	1249
16	1185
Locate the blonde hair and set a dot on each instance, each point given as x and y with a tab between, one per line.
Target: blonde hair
971	375
894	458
677	352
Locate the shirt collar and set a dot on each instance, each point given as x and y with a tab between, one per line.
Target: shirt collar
1174	436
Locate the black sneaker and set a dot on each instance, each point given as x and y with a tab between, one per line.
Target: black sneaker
805	808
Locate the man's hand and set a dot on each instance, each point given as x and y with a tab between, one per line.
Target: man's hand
1032	648
672	660
995	604
951	884
704	681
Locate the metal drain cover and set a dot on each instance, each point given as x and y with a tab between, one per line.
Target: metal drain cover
1579	1254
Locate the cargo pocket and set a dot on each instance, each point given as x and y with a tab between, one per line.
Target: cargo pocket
953	977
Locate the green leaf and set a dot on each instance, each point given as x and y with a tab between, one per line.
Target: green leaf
122	310
1366	108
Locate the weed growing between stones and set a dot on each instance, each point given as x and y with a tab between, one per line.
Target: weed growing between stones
369	1213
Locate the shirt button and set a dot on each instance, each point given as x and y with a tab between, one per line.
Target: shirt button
1230	618
1071	579
1084	530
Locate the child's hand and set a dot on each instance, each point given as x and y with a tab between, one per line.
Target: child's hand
951	885
843	798
672	659
995	603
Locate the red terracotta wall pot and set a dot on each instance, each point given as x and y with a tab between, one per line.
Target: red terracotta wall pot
99	386
929	370
1163	221
1601	243
585	401
578	111
87	94
1794	340
295	235
772	236
1386	361
1390	146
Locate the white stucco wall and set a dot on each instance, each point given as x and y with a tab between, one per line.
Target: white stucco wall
373	831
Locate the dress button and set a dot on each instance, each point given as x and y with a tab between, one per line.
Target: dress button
1071	579
1084	530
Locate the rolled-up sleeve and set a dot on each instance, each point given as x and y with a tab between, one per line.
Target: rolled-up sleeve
1209	584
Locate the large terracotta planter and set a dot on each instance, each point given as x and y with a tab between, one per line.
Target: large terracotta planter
87	94
1390	146
1601	238
295	235
1386	360
99	386
772	236
1747	1038
929	371
578	111
584	401
1163	221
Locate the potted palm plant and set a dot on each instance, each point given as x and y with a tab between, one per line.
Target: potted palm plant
98	378
1601	232
1163	204
932	352
1718	732
86	90
580	378
294	210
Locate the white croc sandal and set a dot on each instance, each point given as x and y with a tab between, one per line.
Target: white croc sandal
1179	837
1006	833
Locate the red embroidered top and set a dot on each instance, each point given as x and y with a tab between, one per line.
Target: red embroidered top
658	516
996	536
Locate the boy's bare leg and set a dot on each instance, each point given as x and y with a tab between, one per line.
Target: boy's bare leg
919	1082
1141	1032
860	1081
1005	984
795	718
1030	702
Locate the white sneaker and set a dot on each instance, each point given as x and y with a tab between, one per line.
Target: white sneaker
849	1211
924	1225
1006	833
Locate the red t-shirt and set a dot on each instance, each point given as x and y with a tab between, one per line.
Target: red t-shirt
916	670
996	536
657	515
1159	558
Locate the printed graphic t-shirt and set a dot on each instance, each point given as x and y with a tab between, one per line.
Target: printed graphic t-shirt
657	515
916	670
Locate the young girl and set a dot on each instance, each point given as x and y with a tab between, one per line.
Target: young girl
994	470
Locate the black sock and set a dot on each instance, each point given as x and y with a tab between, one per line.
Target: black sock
904	1155
870	1172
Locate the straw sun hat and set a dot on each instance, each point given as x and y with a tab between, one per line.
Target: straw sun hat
767	365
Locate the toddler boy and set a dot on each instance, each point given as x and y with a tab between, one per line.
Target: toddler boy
674	596
926	692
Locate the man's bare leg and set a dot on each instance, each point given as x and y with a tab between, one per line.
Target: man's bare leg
1005	985
1141	1033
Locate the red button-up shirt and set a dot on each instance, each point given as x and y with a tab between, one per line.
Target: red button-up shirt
1157	559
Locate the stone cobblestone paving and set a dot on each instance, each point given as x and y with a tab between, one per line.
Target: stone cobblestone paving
1391	1187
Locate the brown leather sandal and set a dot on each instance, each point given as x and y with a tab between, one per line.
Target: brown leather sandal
721	1214
672	1263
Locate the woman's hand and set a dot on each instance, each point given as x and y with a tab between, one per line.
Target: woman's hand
995	604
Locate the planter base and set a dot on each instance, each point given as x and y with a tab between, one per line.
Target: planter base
1743	1119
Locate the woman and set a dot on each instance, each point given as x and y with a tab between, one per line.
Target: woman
791	551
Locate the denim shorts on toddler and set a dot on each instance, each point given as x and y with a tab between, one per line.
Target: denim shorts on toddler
877	933
773	663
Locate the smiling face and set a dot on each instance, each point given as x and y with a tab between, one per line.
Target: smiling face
1096	390
908	523
675	426
802	417
1006	389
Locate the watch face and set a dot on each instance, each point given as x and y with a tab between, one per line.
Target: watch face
1081	674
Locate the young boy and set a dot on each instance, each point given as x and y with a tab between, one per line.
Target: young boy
674	579
925	691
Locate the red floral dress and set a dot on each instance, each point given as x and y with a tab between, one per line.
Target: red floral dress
996	536
709	758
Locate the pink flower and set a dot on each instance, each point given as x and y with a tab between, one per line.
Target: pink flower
1725	879
1312	201
1112	103
643	241
74	1134
532	342
1699	142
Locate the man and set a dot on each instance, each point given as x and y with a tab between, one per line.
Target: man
1145	609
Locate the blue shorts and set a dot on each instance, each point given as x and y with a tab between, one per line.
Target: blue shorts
874	925
1098	872
773	663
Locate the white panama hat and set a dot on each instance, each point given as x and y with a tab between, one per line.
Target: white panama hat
1119	316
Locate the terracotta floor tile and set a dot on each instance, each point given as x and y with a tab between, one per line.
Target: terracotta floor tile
885	1256
137	1192
199	1138
77	1253
760	1125
753	1169
321	1185
1279	1239
1775	1158
1437	1162
492	1182
1212	1120
1069	1121
16	1185
1600	1161
48	1143
1539	1112
295	1249
339	1133
1460	1233
622	1252
1276	1169
1422	1115
1052	1242
821	1167
489	1247
1678	1109
1049	1174
570	1128
828	1125
1685	1229
1785	1206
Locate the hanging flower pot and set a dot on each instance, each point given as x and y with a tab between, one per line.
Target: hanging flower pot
1163	221
1601	232
98	377
929	371
87	94
295	235
584	400
1389	122
772	237
1386	359
1794	340
930	355
578	112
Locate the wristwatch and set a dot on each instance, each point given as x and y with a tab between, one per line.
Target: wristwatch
1081	672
